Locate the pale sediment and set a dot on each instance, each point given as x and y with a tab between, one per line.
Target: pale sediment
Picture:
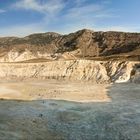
75	70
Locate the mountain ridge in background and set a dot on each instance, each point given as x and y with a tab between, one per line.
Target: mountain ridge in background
83	44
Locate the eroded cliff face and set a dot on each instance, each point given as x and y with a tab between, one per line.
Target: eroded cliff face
79	70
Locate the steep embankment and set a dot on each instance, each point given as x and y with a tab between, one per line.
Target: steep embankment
85	70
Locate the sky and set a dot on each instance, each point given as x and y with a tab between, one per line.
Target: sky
24	17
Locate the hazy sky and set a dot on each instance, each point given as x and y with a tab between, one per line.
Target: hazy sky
23	17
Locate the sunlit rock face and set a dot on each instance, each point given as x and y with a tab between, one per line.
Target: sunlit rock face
75	70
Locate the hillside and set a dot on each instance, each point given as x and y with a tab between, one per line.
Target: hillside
83	44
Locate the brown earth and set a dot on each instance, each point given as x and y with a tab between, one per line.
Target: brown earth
85	44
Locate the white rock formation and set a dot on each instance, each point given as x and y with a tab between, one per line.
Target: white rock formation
85	70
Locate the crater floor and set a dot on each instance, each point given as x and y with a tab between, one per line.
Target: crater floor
54	110
53	89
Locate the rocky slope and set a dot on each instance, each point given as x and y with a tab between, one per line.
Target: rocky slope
79	70
85	44
84	55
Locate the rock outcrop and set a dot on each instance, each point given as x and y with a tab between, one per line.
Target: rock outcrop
75	70
135	74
